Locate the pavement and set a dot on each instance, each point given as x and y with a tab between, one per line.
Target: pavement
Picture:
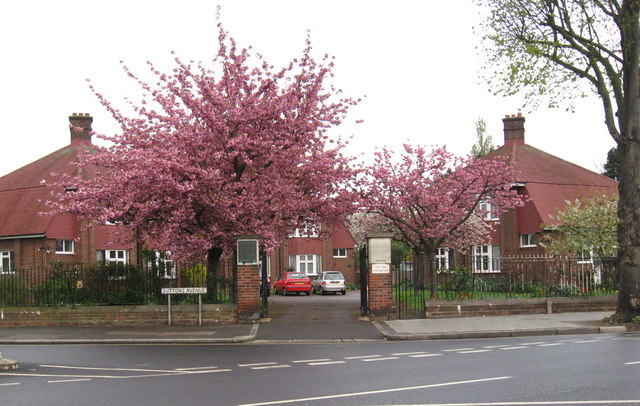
302	320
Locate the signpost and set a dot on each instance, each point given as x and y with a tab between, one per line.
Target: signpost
185	291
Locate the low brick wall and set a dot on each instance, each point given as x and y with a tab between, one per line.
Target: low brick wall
502	307
116	315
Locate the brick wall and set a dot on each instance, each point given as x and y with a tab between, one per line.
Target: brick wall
116	315
504	307
248	303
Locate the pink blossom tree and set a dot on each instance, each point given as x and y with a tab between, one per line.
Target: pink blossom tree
433	199
212	153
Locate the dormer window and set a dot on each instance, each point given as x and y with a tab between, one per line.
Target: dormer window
488	211
309	231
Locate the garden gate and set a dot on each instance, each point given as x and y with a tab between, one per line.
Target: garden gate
364	281
410	289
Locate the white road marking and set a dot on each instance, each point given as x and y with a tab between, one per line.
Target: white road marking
363	356
551	345
496	346
107	369
257	365
458	349
195	368
586	341
409	353
513	348
327	363
379	359
302	361
536	343
424	355
632	363
10	384
272	367
375	392
473	351
70	380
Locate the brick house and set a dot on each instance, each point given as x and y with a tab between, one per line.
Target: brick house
548	182
311	255
28	238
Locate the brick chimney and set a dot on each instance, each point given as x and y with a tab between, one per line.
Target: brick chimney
513	129
80	127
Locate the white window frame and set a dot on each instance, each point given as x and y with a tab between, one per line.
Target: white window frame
442	259
488	257
124	260
6	256
585	257
488	211
68	247
164	263
338	252
309	231
307	259
528	240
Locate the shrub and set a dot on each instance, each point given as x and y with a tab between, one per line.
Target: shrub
563	291
14	290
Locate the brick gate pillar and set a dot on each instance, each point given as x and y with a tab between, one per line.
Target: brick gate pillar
380	293
248	300
248	279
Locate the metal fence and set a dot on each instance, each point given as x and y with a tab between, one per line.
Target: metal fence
114	284
532	276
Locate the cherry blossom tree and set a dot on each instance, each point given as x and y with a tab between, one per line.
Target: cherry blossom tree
211	153
435	199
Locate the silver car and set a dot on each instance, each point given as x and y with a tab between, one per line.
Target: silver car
329	281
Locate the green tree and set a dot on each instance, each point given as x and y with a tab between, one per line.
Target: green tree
484	142
612	166
546	49
587	225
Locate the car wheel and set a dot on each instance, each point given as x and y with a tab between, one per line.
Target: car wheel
284	291
307	293
344	292
322	292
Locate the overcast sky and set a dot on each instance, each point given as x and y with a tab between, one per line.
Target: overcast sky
415	61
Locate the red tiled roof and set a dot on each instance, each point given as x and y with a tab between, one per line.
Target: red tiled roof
24	191
551	182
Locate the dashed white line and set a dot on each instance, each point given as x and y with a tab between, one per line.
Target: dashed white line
496	346
551	345
424	355
195	368
306	361
69	380
363	356
458	349
272	367
379	359
409	353
632	363
586	341
513	348
10	384
536	343
257	364
473	351
326	363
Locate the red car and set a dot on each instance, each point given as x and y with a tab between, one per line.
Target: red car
292	282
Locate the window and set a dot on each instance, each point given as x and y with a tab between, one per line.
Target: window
64	246
113	256
6	262
585	257
310	230
488	211
528	240
163	265
486	258
308	264
444	259
339	252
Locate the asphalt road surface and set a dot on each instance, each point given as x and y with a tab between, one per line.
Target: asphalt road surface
602	369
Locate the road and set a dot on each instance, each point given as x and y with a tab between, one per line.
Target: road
604	368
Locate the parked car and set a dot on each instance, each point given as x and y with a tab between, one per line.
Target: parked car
329	281
292	282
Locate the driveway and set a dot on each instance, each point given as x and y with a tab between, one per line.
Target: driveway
322	317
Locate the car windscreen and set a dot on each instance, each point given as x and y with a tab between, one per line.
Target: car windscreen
334	276
297	276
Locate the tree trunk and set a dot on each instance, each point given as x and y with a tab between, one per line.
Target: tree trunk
629	232
629	186
213	265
